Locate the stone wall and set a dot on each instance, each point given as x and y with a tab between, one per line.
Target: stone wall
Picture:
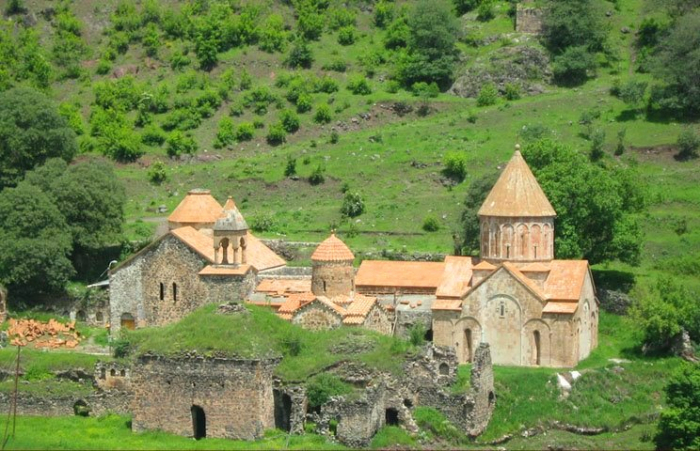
528	20
98	403
112	376
379	320
126	293
359	420
197	397
290	407
317	316
332	278
223	289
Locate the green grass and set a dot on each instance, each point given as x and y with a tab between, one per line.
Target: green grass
47	361
262	333
114	432
392	436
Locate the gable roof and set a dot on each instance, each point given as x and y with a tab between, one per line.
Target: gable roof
517	193
400	274
198	206
280	287
332	249
566	279
456	277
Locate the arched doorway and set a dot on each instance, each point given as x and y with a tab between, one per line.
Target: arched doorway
199	422
127	321
467	345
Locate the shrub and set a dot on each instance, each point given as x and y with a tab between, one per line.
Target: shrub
485	11
512	91
455	166
597	141
290	168
258	124
300	55
392	86
359	85
572	66
14	7
326	84
688	144
620	148
153	136
321	387
337	65
679	423
157	173
226	134
340	17
416	334
488	95
120	143
317	177
353	205
383	13
273	38
121	347
335	137
323	114
178	143
346	36
303	103
289	121
431	224
103	67
276	135
310	24
423	89
264	223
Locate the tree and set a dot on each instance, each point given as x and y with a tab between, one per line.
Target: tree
677	64
476	195
688	144
573	66
353	205
574	23
595	204
31	131
34	243
432	53
679	424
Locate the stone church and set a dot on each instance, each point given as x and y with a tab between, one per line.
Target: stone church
532	309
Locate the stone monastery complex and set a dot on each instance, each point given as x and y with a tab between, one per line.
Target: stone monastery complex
529	307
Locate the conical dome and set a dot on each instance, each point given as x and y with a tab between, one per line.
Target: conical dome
517	193
198	207
230	219
332	249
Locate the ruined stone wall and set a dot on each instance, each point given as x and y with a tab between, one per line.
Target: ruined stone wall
528	20
235	395
358	421
406	319
481	391
379	320
126	293
317	316
112	376
224	289
291	405
98	403
332	278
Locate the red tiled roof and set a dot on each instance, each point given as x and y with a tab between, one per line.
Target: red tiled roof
517	193
565	280
198	206
399	274
447	304
484	266
535	267
524	279
281	287
456	276
560	307
360	306
332	249
211	270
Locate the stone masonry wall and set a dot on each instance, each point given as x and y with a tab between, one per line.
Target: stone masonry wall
126	293
379	320
235	395
220	290
98	402
332	279
317	316
358	420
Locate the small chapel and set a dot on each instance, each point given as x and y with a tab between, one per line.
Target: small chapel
532	309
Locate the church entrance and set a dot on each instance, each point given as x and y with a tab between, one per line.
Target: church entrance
199	422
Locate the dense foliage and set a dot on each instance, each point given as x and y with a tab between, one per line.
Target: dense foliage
679	424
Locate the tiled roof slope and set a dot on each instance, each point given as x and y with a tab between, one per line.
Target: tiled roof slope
400	274
455	278
199	206
283	286
516	193
332	249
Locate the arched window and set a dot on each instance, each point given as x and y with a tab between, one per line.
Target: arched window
162	291
536	351
468	345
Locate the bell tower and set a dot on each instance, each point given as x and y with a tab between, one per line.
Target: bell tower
230	231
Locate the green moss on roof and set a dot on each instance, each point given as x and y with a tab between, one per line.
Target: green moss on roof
261	334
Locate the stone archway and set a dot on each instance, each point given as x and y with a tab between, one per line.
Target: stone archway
199	422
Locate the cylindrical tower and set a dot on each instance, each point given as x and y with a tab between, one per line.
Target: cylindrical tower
516	219
332	270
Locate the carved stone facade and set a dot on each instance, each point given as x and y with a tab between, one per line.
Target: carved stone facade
517	239
198	397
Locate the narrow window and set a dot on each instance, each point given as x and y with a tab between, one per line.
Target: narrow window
162	291
174	292
503	309
534	248
324	286
536	348
507	250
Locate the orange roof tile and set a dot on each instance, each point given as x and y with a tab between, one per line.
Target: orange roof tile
198	206
360	306
283	286
399	274
332	249
455	279
295	301
560	307
516	193
258	255
328	303
484	266
212	270
535	267
447	304
565	280
529	283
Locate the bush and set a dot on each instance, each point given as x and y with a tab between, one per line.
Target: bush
245	132
353	205
335	137
679	424
226	134
597	141
153	136
323	114
359	85
276	135
303	103
317	177
383	13
290	168
300	55
455	166
14	7
178	143
572	67
120	144
321	387
416	334
392	86
326	84
488	95
157	173
336	66
485	11
423	89
512	91
431	224
289	121
688	144
346	36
